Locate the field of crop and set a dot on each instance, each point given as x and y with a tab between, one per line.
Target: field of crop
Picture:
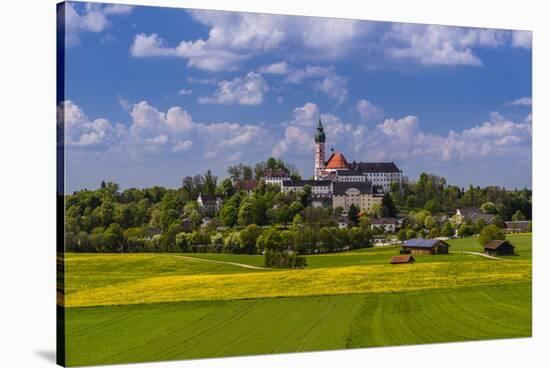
292	283
154	332
140	307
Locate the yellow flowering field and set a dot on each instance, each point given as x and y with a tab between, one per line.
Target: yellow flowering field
292	283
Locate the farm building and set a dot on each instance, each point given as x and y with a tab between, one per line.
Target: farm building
247	186
499	248
425	246
407	258
516	226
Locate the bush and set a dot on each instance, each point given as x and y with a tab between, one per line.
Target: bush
276	259
466	230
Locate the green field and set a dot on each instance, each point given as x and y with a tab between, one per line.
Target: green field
150	307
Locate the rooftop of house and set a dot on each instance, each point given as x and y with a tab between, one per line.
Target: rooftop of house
311	183
209	198
375	167
336	161
276	174
364	187
246	185
495	244
384	221
423	243
402	259
523	225
350	172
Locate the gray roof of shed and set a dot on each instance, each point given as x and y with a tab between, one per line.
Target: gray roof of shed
423	243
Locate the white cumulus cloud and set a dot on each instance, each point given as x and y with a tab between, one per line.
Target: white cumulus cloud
441	45
248	90
281	67
523	101
89	17
522	39
79	131
368	111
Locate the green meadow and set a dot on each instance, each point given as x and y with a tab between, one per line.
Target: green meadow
150	307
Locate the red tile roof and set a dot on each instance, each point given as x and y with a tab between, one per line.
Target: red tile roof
246	185
337	161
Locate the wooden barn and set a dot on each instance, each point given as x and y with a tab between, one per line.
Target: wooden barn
402	259
425	246
499	248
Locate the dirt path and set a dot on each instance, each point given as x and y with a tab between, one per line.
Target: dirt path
243	265
482	255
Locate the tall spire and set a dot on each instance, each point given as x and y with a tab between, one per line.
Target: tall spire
320	134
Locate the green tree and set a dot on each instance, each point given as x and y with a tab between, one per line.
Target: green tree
216	241
123	215
270	239
248	238
434	233
271	163
226	188
170	208
229	214
518	216
183	241
113	238
305	195
489	207
402	235
327	238
167	241
353	214
360	237
106	212
447	229
490	232
295	208
432	205
429	222
232	242
246	215
388	207
466	230
135	239
210	182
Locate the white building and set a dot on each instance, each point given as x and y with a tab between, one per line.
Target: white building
318	187
337	168
276	177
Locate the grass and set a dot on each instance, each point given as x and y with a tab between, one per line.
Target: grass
137	333
151	307
87	271
290	283
521	242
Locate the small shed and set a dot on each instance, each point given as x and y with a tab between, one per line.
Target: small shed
425	246
402	259
499	248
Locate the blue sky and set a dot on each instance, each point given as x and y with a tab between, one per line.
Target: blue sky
155	94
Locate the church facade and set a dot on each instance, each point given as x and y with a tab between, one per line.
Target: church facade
337	168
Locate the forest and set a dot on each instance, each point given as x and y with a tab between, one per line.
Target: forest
158	219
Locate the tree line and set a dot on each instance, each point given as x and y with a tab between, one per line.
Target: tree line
158	219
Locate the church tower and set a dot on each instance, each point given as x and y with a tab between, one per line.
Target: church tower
319	150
